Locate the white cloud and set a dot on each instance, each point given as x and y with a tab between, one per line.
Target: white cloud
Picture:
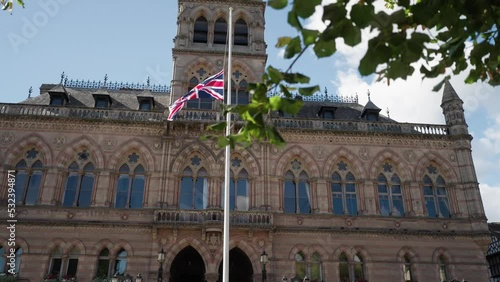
491	198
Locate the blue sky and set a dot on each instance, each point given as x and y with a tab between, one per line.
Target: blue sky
130	40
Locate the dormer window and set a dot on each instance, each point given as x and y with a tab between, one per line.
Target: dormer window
146	103
372	116
102	101
327	112
57	100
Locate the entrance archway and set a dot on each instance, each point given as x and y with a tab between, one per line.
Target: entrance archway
240	267
188	265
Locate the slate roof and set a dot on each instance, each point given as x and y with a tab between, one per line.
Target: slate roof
126	99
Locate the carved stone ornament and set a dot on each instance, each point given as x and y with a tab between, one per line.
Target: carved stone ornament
452	157
109	144
275	150
163	241
364	153
59	141
397	224
319	152
300	220
157	145
409	156
6	138
177	143
348	222
261	243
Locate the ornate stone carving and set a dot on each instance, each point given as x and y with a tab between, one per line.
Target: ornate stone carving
6	138
409	156
275	150
109	144
364	153
157	145
319	152
177	143
59	141
452	157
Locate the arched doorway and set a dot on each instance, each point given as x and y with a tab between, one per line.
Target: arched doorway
240	267
188	265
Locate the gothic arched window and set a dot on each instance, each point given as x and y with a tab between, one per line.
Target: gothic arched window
300	266
436	197
55	267
201	103
241	33
407	269
220	31
121	263
103	264
130	184
240	95
297	194
316	268
238	187
343	268
18	255
344	198
443	268
390	195
29	176
359	268
79	186
200	34
194	187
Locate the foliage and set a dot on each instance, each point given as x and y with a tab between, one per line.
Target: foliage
9	5
457	36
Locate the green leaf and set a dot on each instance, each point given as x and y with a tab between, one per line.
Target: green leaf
274	74
283	41
309	36
324	48
308	91
351	34
334	12
293	20
293	48
218	126
362	14
277	4
295	78
305	8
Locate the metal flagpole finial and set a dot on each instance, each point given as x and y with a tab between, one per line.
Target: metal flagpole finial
30	91
62	77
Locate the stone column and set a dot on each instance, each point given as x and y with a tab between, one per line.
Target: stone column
211	277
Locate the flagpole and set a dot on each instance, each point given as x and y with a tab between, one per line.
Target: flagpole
227	173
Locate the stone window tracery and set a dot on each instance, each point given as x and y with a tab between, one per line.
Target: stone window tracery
343	189
194	186
103	264
130	183
79	182
390	193
297	194
238	186
29	175
435	195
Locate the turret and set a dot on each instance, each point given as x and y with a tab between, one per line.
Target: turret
453	111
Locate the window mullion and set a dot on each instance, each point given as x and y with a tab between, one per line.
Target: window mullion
129	191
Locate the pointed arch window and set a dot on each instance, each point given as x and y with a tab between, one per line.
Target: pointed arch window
344	198
220	31
316	268
18	254
443	269
359	268
300	266
238	187
200	34
79	186
194	189
241	33
55	268
343	268
28	181
201	103
103	264
130	187
407	269
121	263
297	196
390	196
240	95
436	197
71	270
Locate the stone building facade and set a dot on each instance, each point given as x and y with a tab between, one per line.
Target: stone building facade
103	183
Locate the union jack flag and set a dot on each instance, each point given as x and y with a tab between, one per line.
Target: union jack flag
210	87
